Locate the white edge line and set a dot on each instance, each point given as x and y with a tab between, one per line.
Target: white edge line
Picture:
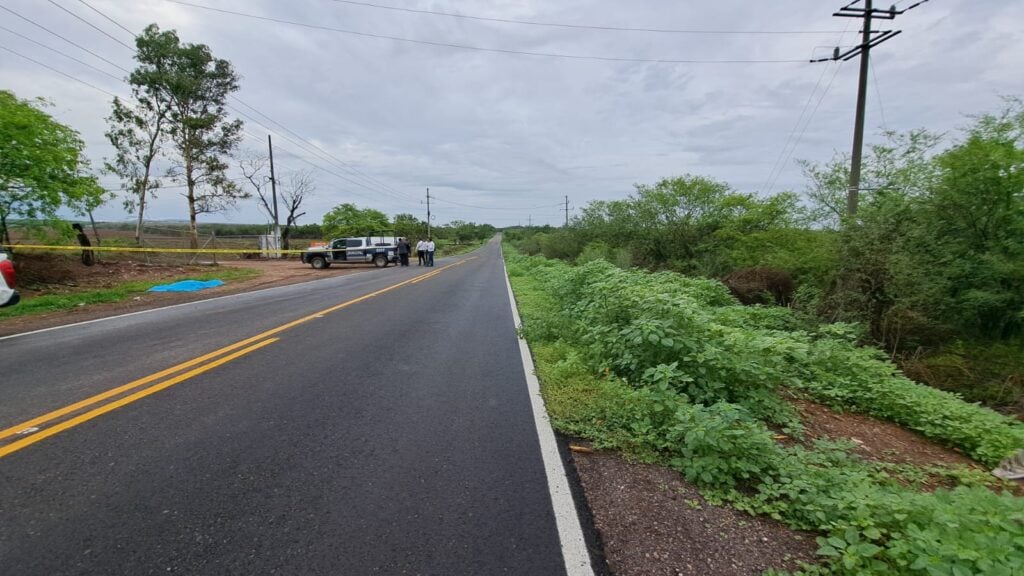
574	546
150	310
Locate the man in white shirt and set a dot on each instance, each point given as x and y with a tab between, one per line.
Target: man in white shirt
430	251
421	251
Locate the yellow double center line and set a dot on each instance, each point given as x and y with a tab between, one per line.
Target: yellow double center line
32	433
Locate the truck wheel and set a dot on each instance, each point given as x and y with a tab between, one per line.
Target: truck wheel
318	262
380	260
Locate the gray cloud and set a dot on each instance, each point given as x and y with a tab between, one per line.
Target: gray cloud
510	133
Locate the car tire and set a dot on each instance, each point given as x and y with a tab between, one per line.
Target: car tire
380	260
318	262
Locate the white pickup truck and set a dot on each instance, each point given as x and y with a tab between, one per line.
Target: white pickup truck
8	295
380	250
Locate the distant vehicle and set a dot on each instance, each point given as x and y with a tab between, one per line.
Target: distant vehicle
8	295
380	250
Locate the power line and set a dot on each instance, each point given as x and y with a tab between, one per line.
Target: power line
91	25
806	124
783	159
115	22
482	49
866	14
302	144
579	26
82	62
51	32
878	95
338	161
789	138
76	79
318	167
93	86
493	208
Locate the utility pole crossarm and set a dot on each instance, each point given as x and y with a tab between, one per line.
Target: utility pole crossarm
891	13
852	53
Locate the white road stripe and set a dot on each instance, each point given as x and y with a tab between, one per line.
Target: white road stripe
574	546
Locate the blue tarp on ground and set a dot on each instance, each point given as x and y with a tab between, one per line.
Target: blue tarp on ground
186	286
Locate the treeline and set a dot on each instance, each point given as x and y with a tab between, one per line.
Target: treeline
406	225
350	220
931	267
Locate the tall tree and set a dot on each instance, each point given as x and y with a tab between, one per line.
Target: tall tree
299	185
293	194
408	226
138	131
196	86
255	169
350	220
42	167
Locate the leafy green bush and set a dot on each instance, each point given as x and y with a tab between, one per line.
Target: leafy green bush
633	321
720	445
599	250
647	364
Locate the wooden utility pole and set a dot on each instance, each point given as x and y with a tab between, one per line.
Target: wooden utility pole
858	123
566	211
428	212
867	13
273	193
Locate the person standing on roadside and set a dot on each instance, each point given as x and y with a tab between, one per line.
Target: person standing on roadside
403	252
421	251
430	251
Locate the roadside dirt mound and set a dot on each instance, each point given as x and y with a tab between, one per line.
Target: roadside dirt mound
60	273
875	439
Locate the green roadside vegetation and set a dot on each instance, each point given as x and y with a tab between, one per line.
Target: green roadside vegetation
55	302
672	370
448	248
929	270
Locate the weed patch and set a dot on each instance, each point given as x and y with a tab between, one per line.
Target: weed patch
671	370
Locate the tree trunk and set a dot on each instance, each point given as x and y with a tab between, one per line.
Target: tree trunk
142	208
192	228
95	232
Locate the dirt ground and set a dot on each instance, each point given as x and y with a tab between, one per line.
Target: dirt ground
650	520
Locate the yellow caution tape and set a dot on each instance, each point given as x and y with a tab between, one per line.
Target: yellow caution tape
128	249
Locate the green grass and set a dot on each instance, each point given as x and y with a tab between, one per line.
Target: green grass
56	302
456	249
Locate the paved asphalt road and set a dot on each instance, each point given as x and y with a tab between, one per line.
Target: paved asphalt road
393	435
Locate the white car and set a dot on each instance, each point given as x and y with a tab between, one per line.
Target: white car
8	295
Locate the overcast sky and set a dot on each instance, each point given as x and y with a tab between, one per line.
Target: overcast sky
503	138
